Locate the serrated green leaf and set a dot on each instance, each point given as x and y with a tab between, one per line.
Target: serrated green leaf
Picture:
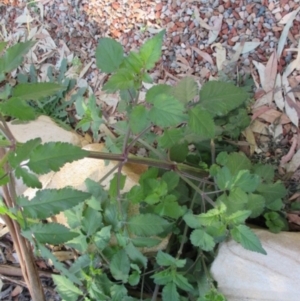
235	201
224	178
49	202
201	122
192	220
236	162
222	158
109	55
172	179
79	243
51	233
46	254
179	152
169	207
120	266
121	80
13	56
170	137
265	171
29	179
219	98
23	151
247	238
211	216
256	204
147	225
134	279
182	282
246	181
35	91
133	62
201	239
163	277
275	204
135	255
117	182
186	89
157	90
102	237
238	217
272	191
91	221
274	222
166	111
67	290
138	119
18	108
165	259
169	292
53	155
145	242
150	52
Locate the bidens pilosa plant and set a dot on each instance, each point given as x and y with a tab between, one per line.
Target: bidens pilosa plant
157	240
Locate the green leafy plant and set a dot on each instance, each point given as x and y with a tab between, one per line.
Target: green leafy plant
158	239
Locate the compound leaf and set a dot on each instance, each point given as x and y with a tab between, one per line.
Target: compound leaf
49	202
53	155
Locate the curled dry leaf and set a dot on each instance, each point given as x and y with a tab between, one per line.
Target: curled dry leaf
248	46
203	54
278	97
250	138
289	21
220	55
217	25
294	164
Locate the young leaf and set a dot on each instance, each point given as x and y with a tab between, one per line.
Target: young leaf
274	222
165	259
91	221
121	80
18	108
150	52
109	55
53	155
51	233
164	277
13	56
133	62
200	238
29	179
166	111
201	122
138	119
186	89
169	207
169	292
102	237
247	238
147	225
219	98
120	266
238	217
35	91
182	282
113	188
170	137
49	202
135	255
134	279
65	287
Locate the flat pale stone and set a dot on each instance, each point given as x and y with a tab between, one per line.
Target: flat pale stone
243	275
45	128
